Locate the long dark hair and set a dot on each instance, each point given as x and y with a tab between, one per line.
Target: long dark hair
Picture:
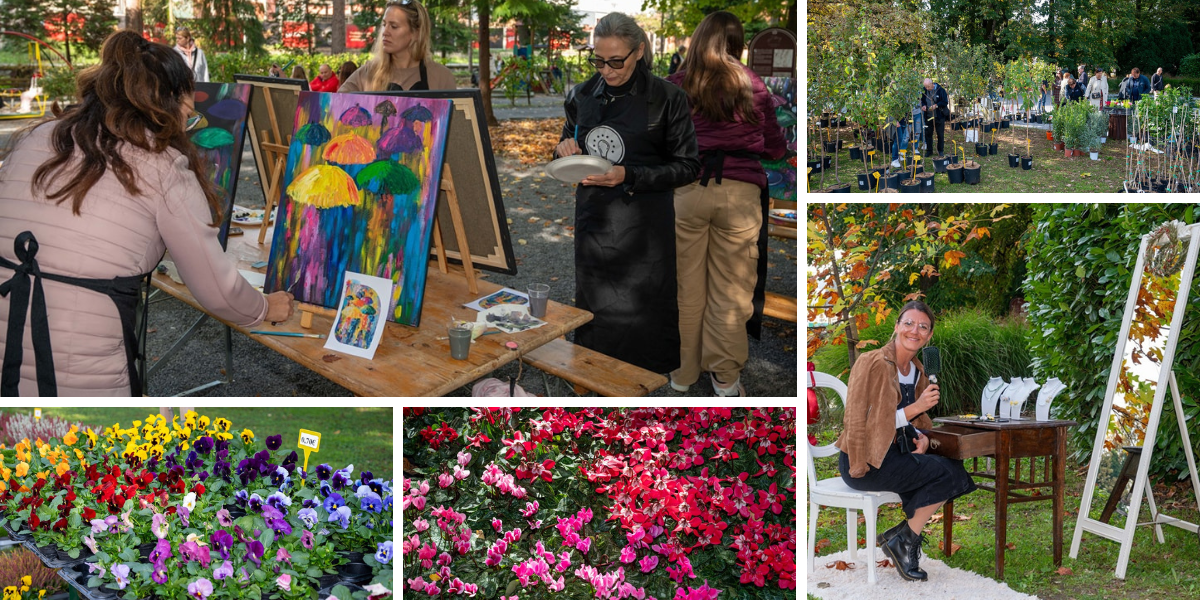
717	86
134	96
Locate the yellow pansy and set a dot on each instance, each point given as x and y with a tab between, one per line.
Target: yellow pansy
62	467
247	436
11	593
79	454
22	469
204	422
41	594
137	424
3	487
5	473
27	580
221	435
71	437
223	424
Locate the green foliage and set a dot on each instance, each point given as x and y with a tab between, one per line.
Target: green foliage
1166	112
59	83
92	22
1190	65
993	269
22	16
223	66
1096	128
1188	83
973	346
1157	44
230	25
1080	265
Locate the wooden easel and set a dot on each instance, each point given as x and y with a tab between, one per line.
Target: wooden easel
460	234
275	150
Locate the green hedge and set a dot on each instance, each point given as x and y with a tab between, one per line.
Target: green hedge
222	67
1190	65
1192	83
1079	271
973	346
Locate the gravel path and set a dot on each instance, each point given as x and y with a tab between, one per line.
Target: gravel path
541	210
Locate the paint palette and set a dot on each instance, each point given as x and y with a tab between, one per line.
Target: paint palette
787	215
247	216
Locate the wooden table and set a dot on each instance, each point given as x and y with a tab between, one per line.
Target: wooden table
1017	439
410	361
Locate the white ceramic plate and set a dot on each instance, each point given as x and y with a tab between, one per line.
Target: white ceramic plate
788	215
572	169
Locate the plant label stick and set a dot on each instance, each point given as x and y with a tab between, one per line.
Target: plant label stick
310	441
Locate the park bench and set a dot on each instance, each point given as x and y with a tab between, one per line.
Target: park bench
588	370
780	307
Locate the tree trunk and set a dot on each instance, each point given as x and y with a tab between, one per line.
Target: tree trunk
133	16
338	43
485	56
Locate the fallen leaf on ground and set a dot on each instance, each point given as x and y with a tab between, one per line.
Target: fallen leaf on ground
822	544
953	547
1064	571
840	565
884	564
522	242
862	541
935	518
530	141
962	517
1011	546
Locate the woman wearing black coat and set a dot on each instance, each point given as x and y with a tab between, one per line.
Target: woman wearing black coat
625	218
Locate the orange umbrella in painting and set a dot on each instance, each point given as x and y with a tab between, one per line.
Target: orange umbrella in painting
324	186
349	149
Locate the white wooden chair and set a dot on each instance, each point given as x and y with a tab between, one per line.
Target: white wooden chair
834	492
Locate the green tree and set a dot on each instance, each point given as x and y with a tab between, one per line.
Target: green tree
83	23
23	16
230	25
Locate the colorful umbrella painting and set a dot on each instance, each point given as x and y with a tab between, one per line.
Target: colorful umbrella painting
358	319
353	202
218	129
781	174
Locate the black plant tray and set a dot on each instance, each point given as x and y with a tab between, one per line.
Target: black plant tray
15	535
49	556
76	576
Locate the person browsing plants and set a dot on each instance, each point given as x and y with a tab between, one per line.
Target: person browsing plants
935	109
882	450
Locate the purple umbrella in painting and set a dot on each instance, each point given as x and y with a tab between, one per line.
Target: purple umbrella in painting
229	109
399	139
356	116
417	113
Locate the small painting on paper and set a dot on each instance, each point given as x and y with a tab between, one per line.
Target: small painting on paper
362	314
501	296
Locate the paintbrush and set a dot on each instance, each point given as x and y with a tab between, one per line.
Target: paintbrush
319	336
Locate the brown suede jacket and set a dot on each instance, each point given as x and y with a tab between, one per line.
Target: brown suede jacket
872	397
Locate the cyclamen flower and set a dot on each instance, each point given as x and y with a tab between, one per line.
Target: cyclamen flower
628	555
445	480
701	593
648	563
461	473
531	508
497	524
421	525
444	559
565	563
513	535
417	585
583	545
464	457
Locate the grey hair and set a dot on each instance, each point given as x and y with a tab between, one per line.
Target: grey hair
621	25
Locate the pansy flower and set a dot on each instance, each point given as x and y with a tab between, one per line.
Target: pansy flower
274	442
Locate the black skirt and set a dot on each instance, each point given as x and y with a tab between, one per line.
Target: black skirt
919	479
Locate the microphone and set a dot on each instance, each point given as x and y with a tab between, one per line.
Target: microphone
932	359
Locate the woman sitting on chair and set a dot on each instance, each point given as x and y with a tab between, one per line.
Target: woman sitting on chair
882	451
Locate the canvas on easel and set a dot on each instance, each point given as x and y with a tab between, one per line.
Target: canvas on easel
1139	379
358	194
218	129
469	156
272	109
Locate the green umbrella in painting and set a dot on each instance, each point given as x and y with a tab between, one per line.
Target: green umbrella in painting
212	137
387	177
313	134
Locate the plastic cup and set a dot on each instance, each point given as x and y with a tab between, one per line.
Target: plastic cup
460	341
539	295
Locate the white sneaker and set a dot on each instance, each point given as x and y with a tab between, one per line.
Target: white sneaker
683	389
734	390
896	164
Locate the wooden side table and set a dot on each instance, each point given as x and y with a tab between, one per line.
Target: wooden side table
1016	439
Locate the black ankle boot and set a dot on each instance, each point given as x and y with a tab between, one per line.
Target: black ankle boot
891	533
904	549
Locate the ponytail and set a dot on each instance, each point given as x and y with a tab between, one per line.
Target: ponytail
713	78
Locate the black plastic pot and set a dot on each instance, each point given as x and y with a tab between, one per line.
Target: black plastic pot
327	580
990	127
955	173
954	159
910	186
940	163
981	149
144	550
825	122
856	153
971	175
993	148
892	181
1004	124
1026	163
956	126
927	185
1014	160
838	189
354	572
831	146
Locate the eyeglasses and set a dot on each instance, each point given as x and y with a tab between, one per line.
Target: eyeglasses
909	323
615	63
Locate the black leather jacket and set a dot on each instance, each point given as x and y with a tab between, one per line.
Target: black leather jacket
669	119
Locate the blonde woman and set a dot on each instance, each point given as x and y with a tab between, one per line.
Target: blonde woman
1097	90
185	44
400	57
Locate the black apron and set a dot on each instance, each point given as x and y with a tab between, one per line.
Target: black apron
712	166
128	293
625	243
421	85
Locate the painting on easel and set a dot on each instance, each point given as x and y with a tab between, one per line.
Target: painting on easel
781	174
358	194
218	128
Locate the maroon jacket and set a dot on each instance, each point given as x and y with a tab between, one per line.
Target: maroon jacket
765	139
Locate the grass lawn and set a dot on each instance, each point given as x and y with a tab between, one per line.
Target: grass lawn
1170	570
1052	171
349	435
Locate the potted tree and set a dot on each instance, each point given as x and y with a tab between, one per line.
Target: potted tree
1094	130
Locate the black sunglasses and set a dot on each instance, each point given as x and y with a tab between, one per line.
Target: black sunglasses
616	63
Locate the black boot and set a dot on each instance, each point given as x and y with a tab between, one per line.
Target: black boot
889	534
904	549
